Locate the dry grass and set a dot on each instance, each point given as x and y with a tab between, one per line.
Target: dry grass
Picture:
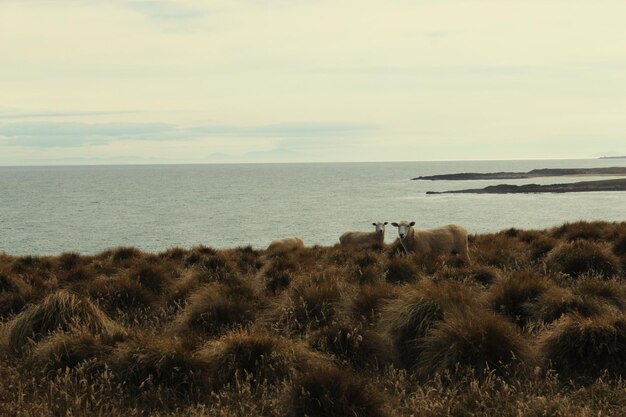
534	326
60	311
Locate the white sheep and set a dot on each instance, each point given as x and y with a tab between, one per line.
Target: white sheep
286	243
441	240
365	238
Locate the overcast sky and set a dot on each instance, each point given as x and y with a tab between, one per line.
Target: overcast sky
186	81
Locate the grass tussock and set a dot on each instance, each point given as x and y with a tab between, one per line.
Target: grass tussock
586	347
478	341
118	294
355	345
217	307
60	311
64	350
252	355
582	257
402	269
154	278
148	360
332	392
533	326
407	319
314	301
513	295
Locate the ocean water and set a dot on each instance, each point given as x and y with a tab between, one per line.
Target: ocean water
49	210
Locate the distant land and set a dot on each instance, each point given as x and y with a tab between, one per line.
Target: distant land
575	187
535	173
613	157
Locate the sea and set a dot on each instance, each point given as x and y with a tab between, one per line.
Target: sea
48	210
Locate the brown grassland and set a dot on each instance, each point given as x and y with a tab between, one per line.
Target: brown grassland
534	326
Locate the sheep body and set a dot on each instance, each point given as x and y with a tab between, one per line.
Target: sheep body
292	242
441	240
364	238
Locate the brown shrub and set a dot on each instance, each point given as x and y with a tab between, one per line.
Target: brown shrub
479	341
585	347
331	392
60	311
583	257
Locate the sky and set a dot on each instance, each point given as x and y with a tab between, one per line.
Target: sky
189	81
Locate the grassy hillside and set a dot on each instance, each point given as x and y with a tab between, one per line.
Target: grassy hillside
535	326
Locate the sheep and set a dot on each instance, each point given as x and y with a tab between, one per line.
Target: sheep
365	238
286	243
446	239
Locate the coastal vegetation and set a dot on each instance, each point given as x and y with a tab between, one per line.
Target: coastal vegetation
534	325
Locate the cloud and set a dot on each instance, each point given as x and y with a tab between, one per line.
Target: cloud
52	114
75	134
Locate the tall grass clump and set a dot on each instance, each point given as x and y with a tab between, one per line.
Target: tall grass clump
479	340
402	269
611	291
582	257
118	294
60	311
366	304
356	345
314	301
122	254
556	302
251	355
148	360
513	295
407	319
331	392
216	307
64	350
586	347
153	277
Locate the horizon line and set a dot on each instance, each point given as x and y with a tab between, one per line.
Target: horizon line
304	162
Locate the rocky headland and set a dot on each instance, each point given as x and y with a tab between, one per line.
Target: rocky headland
535	173
582	186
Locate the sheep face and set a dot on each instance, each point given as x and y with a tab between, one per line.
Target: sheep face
380	227
403	228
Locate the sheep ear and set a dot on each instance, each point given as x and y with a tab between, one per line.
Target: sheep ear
386	223
412	224
394	224
374	224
